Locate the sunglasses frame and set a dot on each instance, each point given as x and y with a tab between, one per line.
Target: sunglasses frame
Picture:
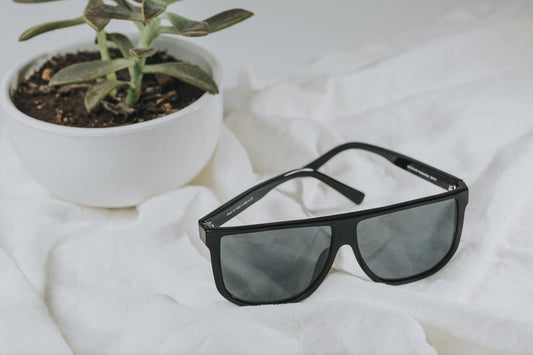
343	226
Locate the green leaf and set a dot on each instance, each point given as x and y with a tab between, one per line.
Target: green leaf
87	71
97	23
185	27
50	26
152	8
189	73
122	42
123	3
99	91
141	53
113	12
227	18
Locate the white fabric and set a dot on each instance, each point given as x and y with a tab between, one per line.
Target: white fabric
457	94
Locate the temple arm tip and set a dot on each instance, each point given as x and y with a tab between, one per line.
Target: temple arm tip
358	198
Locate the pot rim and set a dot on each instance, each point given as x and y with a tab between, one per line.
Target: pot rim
17	115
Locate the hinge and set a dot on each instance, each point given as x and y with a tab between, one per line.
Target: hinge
208	224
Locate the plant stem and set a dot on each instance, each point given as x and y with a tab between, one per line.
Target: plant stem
136	74
104	51
149	32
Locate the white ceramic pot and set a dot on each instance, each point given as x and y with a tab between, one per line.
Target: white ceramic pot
118	166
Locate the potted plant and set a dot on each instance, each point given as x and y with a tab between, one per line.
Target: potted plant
112	124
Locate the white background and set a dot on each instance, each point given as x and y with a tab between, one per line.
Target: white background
282	36
95	281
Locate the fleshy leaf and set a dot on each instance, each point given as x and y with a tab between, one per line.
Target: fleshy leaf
189	73
99	91
123	3
141	53
152	8
97	23
186	27
122	42
113	12
227	18
81	72
50	26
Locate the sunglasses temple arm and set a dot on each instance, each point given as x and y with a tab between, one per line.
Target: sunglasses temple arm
422	170
238	204
350	193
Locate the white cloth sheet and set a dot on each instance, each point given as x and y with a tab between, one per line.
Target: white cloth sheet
457	94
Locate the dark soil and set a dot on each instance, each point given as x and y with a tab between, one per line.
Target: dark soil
64	105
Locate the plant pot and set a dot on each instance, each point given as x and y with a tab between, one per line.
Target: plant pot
118	166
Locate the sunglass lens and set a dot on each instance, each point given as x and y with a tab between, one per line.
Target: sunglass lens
409	242
275	265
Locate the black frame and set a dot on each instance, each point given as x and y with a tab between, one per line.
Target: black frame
344	226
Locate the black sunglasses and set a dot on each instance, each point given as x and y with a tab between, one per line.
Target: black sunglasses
286	261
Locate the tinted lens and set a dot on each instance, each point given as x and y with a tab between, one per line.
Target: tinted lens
408	242
272	266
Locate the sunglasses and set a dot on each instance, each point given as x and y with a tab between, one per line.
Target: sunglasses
286	261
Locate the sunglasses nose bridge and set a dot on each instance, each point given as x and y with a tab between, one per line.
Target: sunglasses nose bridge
346	233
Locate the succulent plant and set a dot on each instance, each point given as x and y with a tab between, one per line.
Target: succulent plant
152	18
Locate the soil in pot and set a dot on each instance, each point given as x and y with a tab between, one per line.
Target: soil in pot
64	105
